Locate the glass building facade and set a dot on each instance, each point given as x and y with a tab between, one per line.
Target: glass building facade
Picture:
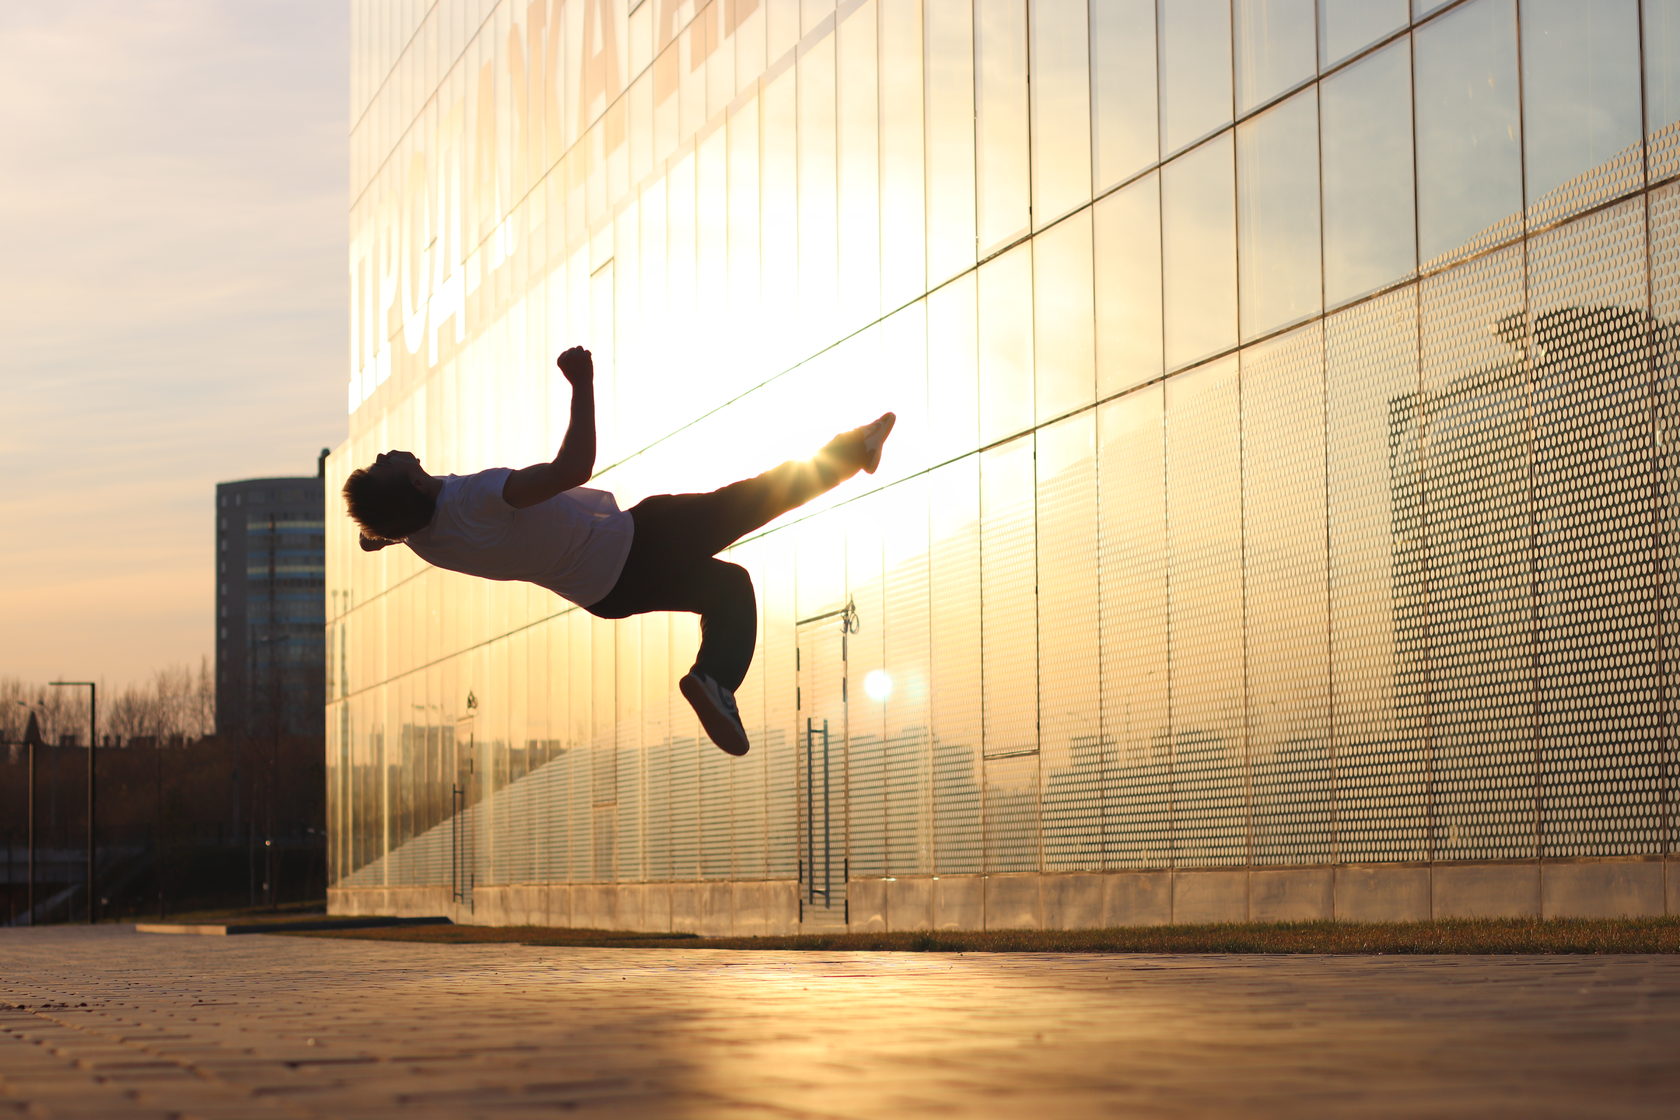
1279	519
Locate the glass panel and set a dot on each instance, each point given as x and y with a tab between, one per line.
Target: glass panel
1126	235
1581	127
818	198
1378	654
1061	108
1275	48
1277	224
1009	655
1002	166
860	172
1205	613
1474	411
778	215
1662	85
1286	623
1199	253
953	361
1125	122
1468	168
1069	703
1064	346
1006	344
1195	70
1344	26
1132	616
1421	8
1369	216
1597	588
904	195
948	26
906	650
860	526
954	602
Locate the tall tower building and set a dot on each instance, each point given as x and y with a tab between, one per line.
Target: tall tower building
270	651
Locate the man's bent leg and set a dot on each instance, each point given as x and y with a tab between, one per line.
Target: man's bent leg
728	623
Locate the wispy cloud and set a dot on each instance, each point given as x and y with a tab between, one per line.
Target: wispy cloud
172	304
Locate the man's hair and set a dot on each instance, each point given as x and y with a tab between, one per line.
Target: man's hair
386	505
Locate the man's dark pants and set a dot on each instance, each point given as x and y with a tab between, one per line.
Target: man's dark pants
673	564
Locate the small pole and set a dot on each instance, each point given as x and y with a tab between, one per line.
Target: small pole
93	748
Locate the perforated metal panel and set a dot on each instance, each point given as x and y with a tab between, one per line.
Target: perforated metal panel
1204	598
1597	649
1132	581
1069	677
1286	609
1474	410
1378	650
954	598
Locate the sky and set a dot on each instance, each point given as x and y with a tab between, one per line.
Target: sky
173	306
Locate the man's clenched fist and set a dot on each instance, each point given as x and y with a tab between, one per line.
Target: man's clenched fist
577	365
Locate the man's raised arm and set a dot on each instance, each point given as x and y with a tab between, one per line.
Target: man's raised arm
575	462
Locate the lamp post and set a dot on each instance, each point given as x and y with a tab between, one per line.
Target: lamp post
31	739
93	748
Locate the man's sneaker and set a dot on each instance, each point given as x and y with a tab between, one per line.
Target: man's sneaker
873	437
715	705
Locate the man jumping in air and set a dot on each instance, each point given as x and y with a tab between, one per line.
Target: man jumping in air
540	524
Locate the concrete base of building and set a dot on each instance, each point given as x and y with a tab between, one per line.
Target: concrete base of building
1392	892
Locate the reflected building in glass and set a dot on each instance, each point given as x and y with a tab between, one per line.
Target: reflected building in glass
1280	518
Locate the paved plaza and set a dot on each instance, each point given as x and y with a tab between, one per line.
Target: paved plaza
110	1023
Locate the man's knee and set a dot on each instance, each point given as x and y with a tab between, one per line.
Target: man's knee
731	581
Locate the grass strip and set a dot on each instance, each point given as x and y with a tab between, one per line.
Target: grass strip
1488	935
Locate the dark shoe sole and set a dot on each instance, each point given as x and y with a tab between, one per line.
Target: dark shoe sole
722	730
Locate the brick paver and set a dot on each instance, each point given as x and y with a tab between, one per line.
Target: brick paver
108	1023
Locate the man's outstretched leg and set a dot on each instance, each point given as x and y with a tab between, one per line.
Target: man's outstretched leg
672	566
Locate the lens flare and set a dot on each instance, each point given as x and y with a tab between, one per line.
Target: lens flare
877	685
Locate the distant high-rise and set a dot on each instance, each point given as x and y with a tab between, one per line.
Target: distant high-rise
270	654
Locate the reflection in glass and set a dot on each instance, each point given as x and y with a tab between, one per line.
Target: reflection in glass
948	26
1277	222
1069	702
1195	70
1346	25
1132	615
1126	235
1377	654
1006	344
1476	590
1205	611
859	170
1468	166
1661	21
954	663
1064	346
1580	102
1275	48
1125	126
1369	219
1199	253
1286	622
1421	8
953	359
1002	167
1061	108
903	175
